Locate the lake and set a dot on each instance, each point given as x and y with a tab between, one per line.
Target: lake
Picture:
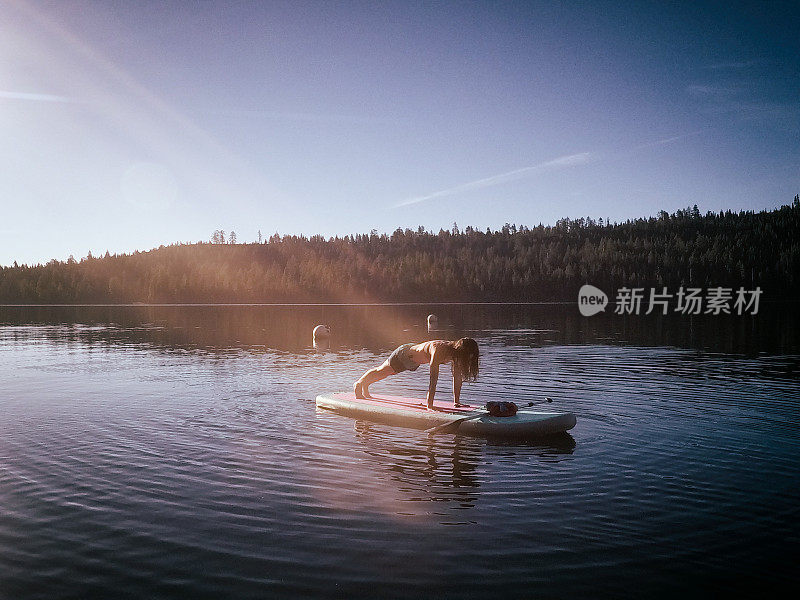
176	451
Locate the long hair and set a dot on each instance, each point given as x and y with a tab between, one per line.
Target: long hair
465	358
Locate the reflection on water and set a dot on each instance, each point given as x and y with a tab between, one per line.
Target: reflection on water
775	330
433	470
171	452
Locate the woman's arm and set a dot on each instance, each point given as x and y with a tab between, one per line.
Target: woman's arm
432	385
456	384
435	360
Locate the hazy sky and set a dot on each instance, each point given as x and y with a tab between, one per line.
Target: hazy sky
125	125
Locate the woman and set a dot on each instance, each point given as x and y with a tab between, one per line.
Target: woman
463	354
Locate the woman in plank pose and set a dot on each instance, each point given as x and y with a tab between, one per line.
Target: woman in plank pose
463	354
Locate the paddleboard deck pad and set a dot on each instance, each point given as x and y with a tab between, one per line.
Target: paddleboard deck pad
413	413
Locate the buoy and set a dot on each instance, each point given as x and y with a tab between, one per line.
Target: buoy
433	322
322	345
322	332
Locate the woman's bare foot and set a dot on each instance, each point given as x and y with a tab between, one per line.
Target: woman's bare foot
358	390
365	391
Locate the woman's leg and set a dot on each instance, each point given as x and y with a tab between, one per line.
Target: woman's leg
361	387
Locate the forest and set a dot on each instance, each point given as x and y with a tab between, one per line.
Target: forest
517	263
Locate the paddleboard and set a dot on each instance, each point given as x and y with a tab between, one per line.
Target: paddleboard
413	413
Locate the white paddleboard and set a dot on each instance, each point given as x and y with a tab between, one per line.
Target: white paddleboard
413	412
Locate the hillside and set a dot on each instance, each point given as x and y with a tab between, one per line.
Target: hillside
517	263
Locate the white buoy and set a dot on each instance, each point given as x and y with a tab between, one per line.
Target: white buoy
322	332
433	322
322	345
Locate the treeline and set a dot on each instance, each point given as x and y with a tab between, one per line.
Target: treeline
516	263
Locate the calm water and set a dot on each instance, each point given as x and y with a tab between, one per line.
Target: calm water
176	452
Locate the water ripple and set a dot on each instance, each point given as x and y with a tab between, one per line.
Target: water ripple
190	472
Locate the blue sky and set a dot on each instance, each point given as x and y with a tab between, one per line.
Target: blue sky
126	125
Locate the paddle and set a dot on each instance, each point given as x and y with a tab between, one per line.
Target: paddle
453	425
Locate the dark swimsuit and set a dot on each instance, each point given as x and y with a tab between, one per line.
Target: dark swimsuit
400	360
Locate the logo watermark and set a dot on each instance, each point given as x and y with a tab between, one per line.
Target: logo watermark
591	300
686	301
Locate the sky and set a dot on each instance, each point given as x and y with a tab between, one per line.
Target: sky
127	125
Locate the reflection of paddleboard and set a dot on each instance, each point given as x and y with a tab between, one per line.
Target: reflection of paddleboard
412	412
